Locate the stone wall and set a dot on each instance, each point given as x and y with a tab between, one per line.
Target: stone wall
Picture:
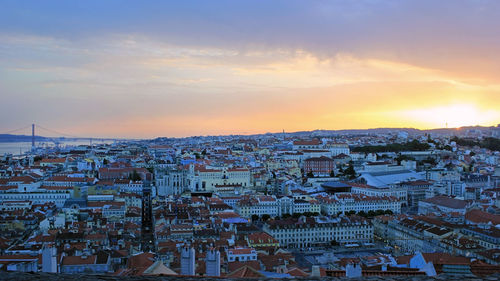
15	276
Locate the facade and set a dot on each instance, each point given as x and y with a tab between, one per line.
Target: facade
241	254
319	166
313	231
273	206
188	261
307	144
173	182
258	205
338	148
357	202
207	179
212	262
392	191
100	263
416	191
59	197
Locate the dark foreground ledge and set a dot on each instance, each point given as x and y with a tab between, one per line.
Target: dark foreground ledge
21	276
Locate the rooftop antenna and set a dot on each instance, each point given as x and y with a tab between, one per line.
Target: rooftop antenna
33	136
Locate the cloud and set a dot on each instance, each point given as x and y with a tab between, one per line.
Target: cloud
222	66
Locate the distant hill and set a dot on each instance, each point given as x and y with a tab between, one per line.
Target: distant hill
19	138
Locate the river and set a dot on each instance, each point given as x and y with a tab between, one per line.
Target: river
17	148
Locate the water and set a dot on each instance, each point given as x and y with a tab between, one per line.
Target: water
16	148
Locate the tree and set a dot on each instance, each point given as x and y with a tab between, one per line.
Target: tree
388	212
341	170
255	217
362	213
334	243
134	176
404	157
332	174
296	215
308	214
265	217
310	174
350	172
371	213
105	161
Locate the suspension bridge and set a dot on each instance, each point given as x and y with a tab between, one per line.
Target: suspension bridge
50	136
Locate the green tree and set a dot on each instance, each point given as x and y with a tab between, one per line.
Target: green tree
308	214
265	217
350	172
134	176
310	174
255	217
332	173
388	212
341	170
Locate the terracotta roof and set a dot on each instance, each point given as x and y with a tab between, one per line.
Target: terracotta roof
478	216
78	260
245	272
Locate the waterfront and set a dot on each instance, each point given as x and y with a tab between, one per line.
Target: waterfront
17	148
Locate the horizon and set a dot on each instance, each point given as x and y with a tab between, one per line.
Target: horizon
253	134
125	69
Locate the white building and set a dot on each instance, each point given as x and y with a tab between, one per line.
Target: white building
241	254
393	191
313	231
206	179
357	202
40	197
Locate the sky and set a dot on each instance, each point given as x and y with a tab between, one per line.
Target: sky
145	69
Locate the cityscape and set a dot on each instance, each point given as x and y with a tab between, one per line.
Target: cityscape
221	140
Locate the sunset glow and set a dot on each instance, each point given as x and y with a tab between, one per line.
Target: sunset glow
181	73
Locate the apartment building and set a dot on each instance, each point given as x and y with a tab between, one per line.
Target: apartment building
316	231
